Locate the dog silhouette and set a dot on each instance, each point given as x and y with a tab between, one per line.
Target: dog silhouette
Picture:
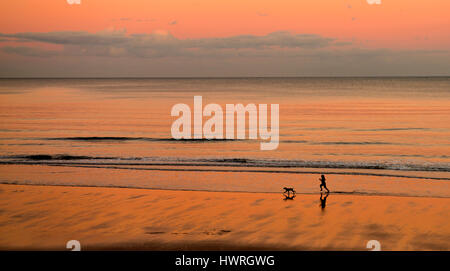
287	193
288	190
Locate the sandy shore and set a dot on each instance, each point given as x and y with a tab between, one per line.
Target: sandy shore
46	217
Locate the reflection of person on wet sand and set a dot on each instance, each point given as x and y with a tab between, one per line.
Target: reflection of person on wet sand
323	183
323	200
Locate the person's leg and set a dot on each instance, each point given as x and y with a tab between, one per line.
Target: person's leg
321	187
327	188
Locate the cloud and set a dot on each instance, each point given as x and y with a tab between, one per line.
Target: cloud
317	62
173	23
374	2
116	53
29	51
69	37
163	44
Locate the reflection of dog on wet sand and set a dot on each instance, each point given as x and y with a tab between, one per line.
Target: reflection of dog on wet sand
287	193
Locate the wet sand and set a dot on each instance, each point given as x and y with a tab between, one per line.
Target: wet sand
46	217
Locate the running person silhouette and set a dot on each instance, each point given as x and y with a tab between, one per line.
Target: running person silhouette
323	184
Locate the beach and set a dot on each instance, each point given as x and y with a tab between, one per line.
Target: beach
97	163
34	217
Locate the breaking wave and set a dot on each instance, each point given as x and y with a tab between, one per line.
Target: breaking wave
224	164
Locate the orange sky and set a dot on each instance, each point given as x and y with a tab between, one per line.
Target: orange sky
393	24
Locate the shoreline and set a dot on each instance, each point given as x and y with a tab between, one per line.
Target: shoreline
233	182
103	218
229	191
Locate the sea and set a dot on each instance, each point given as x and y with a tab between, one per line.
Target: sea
369	136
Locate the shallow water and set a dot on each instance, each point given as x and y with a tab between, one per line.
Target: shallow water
395	130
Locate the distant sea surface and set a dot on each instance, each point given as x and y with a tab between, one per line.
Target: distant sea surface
368	135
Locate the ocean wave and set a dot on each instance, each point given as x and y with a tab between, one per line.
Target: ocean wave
202	140
392	129
63	157
120	138
354	143
397	165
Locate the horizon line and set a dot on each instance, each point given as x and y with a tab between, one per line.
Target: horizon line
223	77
